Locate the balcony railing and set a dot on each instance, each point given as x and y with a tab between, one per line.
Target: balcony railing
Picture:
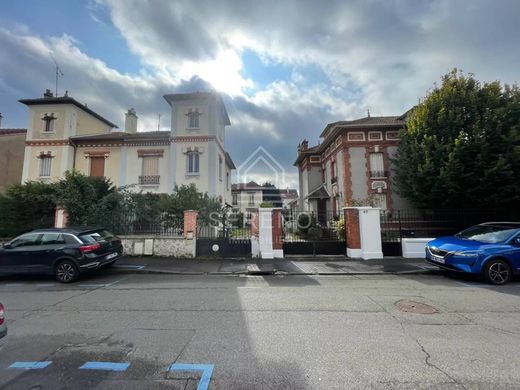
149	180
381	174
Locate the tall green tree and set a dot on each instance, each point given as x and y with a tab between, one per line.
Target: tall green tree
461	147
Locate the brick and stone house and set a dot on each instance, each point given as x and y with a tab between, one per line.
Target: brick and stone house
352	162
64	134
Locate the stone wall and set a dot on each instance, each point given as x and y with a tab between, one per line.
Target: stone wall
177	247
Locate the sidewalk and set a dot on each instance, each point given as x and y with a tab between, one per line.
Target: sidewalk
289	266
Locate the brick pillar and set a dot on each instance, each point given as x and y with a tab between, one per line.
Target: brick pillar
254	224
277	230
190	224
352	232
61	217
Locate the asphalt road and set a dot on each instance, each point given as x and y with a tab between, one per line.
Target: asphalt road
272	332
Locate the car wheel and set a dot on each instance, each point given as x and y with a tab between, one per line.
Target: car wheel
497	272
66	272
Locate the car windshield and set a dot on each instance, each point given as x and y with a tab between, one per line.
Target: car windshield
487	234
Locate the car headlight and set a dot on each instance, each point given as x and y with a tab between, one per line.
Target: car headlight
466	254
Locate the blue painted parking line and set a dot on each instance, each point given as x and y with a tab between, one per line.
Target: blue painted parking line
105	366
30	365
207	371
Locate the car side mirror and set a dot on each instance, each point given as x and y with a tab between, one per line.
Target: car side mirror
7	245
516	241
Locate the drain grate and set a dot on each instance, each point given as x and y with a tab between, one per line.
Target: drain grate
408	306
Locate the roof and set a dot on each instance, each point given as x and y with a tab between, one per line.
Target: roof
65	100
514	225
229	161
12	131
122	136
288	193
199	95
252	185
369	121
69	229
319	193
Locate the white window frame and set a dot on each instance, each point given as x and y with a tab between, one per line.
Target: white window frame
194	119
195	163
45	169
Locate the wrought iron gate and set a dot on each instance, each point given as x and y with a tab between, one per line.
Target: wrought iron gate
221	238
306	234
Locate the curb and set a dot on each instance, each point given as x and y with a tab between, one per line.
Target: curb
277	273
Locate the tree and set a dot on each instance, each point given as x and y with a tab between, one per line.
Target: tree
461	148
24	207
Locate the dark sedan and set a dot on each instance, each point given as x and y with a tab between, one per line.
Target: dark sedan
63	252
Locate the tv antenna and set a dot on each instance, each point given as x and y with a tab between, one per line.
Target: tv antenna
58	73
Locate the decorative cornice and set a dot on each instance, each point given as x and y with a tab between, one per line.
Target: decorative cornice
48	142
194	138
150	152
97	153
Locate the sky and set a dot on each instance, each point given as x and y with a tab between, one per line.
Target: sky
284	68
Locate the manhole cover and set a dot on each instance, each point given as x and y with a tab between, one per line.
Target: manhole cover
415	307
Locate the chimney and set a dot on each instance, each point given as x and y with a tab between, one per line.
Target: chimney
48	93
305	144
131	121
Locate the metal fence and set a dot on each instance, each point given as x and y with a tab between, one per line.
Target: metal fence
302	226
157	224
398	224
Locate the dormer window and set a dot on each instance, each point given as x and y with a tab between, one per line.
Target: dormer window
48	123
193	119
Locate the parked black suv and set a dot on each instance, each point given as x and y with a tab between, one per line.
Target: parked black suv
64	252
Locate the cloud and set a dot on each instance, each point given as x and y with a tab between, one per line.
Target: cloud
342	57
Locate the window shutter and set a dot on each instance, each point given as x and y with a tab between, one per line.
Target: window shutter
150	166
97	166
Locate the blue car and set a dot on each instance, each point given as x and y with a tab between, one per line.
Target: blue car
490	249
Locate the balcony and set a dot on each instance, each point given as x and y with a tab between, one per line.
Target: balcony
378	174
149	180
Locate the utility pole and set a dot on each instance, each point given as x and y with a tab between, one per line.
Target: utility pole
159	122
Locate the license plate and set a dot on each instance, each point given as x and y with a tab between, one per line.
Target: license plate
111	256
436	259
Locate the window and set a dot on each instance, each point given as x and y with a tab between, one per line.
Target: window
25	240
235	199
192	162
48	123
251	199
193	120
52	239
97	166
45	165
220	168
227	180
150	171
377	167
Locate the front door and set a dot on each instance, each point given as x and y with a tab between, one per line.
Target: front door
322	212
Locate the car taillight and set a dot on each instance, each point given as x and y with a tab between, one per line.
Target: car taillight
89	248
2	318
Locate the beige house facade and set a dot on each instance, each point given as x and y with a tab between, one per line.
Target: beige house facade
64	134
